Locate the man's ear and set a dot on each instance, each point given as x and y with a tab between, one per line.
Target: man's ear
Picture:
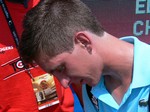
83	39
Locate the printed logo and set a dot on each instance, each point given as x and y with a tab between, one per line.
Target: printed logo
17	66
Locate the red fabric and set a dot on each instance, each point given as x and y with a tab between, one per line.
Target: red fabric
16	93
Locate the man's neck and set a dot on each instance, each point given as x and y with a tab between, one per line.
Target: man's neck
117	87
118	73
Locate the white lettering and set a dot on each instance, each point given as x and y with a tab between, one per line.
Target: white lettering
142	6
6	48
141	27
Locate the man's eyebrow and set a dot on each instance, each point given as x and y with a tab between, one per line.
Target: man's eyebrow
54	68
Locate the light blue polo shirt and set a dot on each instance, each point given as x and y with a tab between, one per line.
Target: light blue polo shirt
138	90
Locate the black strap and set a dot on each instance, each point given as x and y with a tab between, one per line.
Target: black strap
10	22
92	98
14	34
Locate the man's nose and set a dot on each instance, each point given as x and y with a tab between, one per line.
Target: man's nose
65	82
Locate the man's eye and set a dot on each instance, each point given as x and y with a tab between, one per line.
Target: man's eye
60	68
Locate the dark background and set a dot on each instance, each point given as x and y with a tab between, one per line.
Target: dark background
118	17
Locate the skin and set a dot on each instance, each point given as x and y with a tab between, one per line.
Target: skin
91	58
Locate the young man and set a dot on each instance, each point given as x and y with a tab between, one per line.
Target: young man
64	38
17	93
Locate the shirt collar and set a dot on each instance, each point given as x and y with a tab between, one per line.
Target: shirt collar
141	65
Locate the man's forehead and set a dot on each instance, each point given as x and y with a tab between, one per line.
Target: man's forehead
49	63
